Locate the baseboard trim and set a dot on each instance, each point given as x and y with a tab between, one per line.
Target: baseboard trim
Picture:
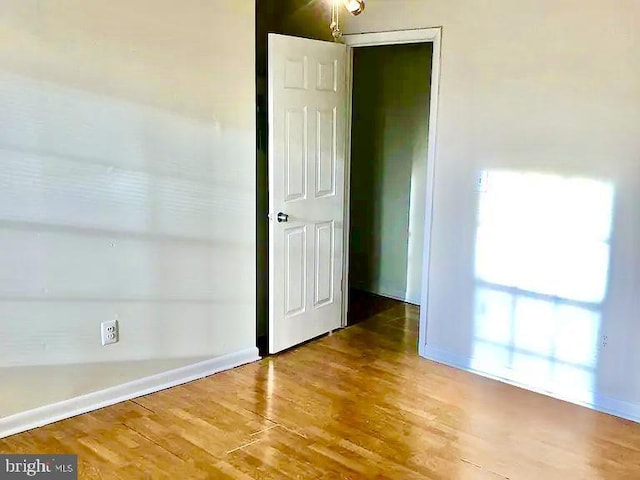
379	293
618	408
601	403
394	296
41	416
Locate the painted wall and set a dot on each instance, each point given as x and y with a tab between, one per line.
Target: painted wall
127	190
544	95
306	18
388	158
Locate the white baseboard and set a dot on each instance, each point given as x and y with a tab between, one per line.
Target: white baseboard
619	408
376	291
38	417
600	403
392	295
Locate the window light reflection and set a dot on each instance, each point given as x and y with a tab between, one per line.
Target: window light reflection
542	262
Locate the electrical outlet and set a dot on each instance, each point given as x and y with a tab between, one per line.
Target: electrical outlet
109	332
482	180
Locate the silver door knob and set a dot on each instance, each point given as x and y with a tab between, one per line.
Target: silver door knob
282	217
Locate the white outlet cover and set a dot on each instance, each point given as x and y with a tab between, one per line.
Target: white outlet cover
482	180
109	332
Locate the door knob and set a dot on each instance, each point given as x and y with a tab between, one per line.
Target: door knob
282	217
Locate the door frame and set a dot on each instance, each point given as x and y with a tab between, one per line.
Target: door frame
397	37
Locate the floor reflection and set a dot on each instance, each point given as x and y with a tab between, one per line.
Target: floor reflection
542	261
358	404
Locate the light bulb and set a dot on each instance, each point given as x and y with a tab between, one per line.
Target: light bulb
355	7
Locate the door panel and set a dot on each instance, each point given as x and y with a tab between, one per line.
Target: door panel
296	148
326	154
327	76
307	115
296	272
296	73
324	253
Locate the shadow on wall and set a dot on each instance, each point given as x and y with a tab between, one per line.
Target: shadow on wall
113	209
542	267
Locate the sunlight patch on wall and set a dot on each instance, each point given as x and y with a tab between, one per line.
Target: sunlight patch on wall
542	261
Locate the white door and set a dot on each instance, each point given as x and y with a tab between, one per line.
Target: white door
307	115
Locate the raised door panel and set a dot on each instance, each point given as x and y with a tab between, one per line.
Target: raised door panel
296	158
295	270
296	73
324	253
327	76
325	158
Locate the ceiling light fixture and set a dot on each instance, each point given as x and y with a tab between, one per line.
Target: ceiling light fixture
354	7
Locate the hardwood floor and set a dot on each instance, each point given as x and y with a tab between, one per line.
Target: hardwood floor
358	404
364	305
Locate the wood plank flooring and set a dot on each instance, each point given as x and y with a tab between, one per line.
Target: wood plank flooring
359	404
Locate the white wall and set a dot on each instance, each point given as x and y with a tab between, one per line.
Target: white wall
531	86
127	187
388	169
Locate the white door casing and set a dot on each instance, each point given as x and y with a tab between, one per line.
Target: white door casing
398	37
307	125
